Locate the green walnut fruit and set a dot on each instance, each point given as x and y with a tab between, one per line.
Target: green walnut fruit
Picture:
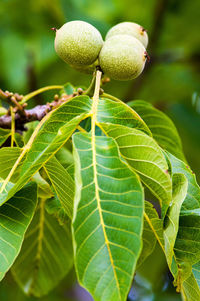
87	69
122	57
129	28
78	43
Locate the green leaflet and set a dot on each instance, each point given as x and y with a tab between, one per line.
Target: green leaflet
15	217
4	134
46	255
148	237
64	156
190	290
108	218
55	208
52	132
161	126
155	223
31	126
187	241
171	222
70	170
62	183
187	246
191	286
8	157
144	155
120	113
196	272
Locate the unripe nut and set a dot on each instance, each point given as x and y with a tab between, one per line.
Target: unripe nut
122	57
78	43
129	28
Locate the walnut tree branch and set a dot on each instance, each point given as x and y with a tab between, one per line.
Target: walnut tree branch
36	113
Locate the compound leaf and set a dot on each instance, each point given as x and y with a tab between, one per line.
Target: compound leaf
50	134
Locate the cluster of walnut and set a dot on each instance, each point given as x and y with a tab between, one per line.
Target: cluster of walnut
122	56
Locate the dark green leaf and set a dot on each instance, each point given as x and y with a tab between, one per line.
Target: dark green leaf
148	236
46	255
155	223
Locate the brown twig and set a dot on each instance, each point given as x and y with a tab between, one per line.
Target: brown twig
36	113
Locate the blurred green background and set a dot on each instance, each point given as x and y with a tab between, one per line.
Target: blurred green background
171	80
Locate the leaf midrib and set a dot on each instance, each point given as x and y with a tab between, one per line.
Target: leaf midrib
93	142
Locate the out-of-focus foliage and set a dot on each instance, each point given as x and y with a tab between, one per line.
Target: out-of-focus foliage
171	81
